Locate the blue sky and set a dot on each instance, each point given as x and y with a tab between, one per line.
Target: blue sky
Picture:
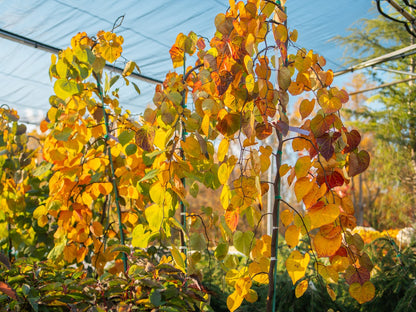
149	29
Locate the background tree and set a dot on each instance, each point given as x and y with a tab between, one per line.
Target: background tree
389	120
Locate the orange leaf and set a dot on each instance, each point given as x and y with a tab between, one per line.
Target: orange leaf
323	215
231	218
306	107
362	293
292	236
105	188
301	288
331	292
324	246
284	169
6	289
299	144
44	126
286	216
97	229
70	253
295	88
314	195
177	55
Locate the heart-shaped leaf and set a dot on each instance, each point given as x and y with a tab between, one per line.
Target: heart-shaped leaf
358	163
362	293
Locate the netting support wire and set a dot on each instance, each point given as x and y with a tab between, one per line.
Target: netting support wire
51	49
113	176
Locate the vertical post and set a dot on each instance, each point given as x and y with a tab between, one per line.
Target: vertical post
183	138
270	195
113	176
271	302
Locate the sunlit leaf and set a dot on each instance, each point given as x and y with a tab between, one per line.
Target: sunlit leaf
243	241
321	215
301	288
306	107
362	293
292	236
234	301
286	216
326	246
296	265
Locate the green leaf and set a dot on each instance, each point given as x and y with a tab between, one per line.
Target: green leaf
121	248
25	289
57	251
221	251
149	158
131	149
65	88
136	87
194	189
34	303
125	137
175	97
114	80
155	298
177	257
150	175
243	241
43	168
63	135
197	241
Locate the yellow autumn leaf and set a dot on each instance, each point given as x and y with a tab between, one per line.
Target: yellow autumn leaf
296	265
43	220
284	169
280	33
243	285
362	293
301	288
292	236
302	187
331	293
302	166
97	229
250	83
322	215
294	35
223	149
327	272
223	173
205	124
329	104
251	296
306	107
234	301
326	246
286	216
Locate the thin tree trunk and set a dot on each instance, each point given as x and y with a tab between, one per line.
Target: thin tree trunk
275	230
